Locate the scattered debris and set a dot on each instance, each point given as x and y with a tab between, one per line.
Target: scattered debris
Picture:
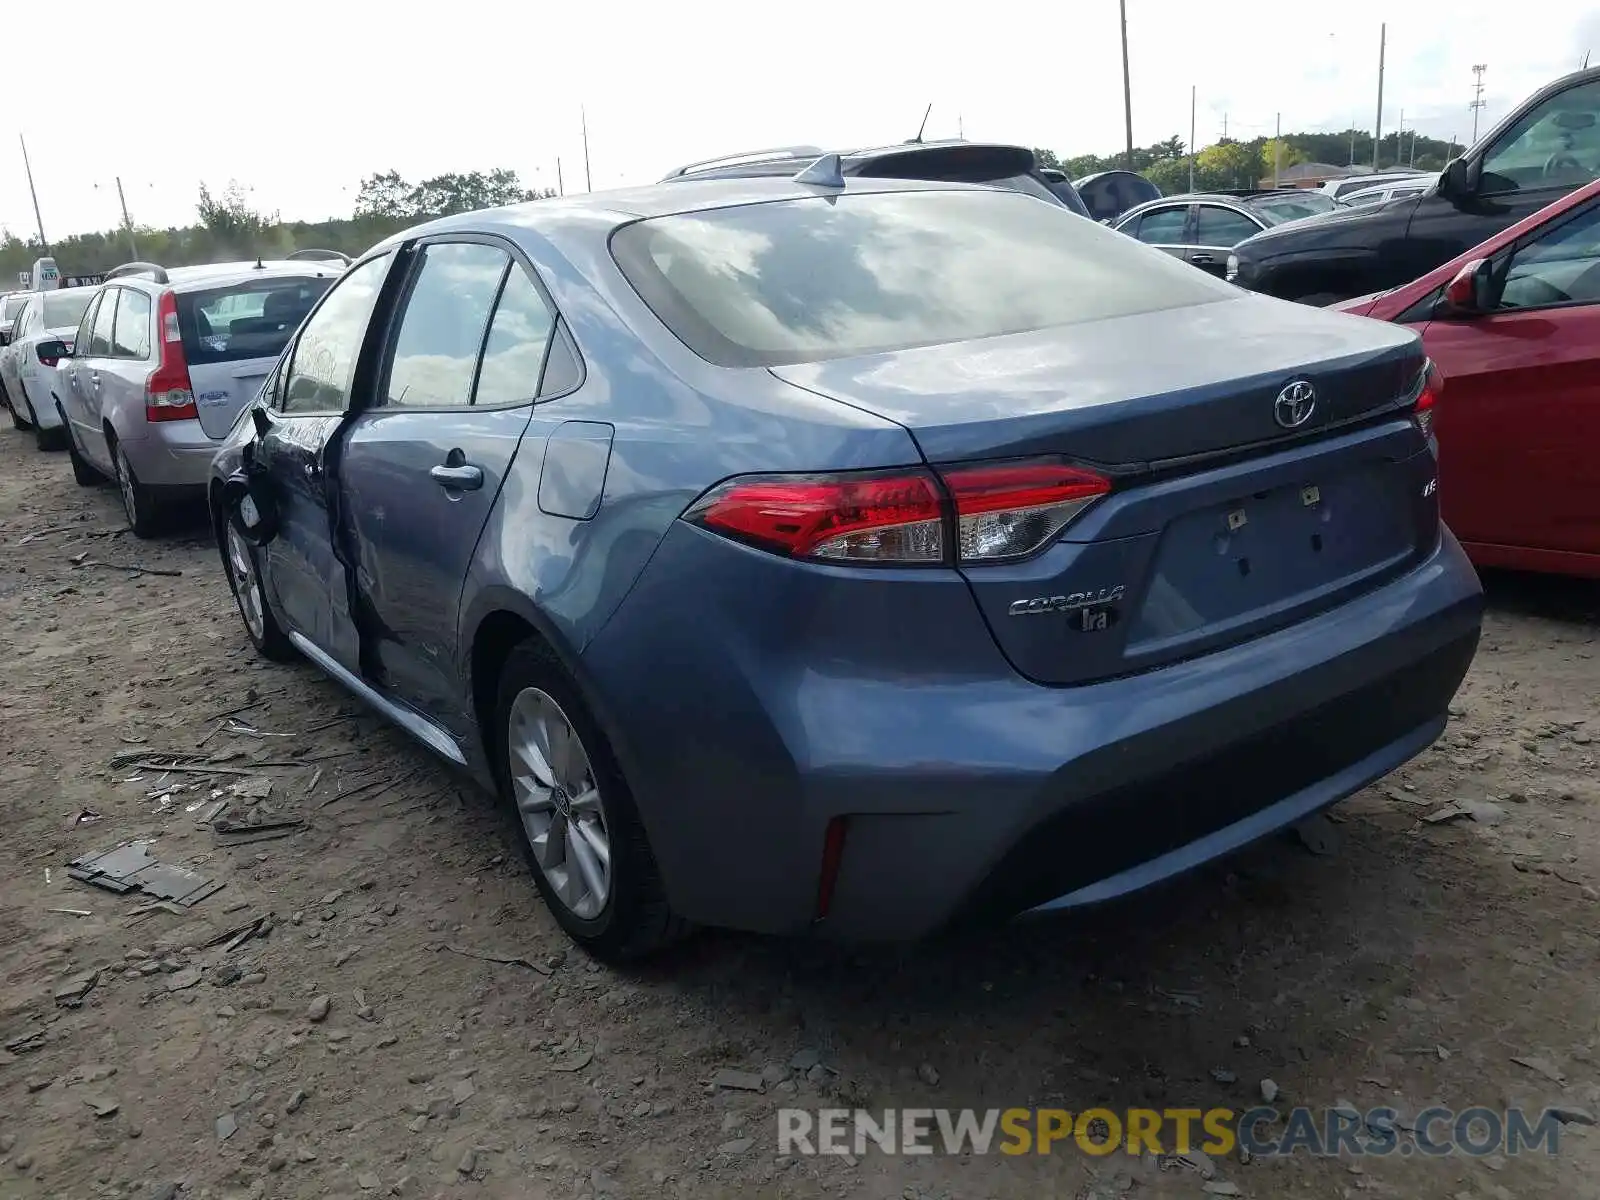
737	1081
134	569
1541	1066
129	868
71	912
508	960
87	816
1484	812
226	1127
74	991
103	1106
929	1074
255	828
1569	1115
1269	1091
1222	1075
1219	1187
580	1059
184	979
1318	835
319	1008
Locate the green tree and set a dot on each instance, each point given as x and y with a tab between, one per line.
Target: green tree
386	196
1227	165
1280	154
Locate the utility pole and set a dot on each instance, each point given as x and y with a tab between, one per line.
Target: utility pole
1377	131
1277	147
28	167
1224	126
1191	136
1400	142
1352	145
561	188
588	183
127	222
1127	85
1477	97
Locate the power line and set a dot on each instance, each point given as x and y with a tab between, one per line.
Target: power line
1477	97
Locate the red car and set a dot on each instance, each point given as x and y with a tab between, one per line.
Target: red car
1514	327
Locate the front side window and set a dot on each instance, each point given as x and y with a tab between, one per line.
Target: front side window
1163	227
12	305
1223	227
86	325
1561	266
318	380
442	328
816	278
104	323
131	338
1555	144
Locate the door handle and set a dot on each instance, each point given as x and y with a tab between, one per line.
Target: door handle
458	478
1202	260
94	378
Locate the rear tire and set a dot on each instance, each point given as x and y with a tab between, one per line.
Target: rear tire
551	781
82	473
243	567
139	504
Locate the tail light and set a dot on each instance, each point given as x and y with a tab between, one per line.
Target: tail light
979	513
1427	397
169	396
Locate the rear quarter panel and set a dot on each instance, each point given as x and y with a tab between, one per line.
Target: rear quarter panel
678	425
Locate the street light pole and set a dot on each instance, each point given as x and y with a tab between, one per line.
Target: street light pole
28	167
1377	131
1127	86
1191	136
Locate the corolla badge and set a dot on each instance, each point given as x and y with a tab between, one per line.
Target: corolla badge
1295	404
1067	603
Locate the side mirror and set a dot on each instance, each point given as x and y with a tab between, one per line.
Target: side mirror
1455	183
52	351
1468	293
5	338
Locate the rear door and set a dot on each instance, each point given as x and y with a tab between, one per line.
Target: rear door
88	375
1166	227
423	463
1217	231
73	398
306	406
233	334
1519	421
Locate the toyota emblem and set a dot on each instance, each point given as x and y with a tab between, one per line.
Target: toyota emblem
1295	404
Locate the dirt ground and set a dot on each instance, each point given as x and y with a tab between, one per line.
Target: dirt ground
319	1027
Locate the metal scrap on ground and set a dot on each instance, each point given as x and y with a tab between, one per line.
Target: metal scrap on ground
130	868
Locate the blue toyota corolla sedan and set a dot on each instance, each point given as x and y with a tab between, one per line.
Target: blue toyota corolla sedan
852	556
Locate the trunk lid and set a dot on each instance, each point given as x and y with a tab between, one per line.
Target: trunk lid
1130	390
1222	525
221	389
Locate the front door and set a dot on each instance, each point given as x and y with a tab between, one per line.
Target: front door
423	462
86	380
1554	149
307	401
1519	419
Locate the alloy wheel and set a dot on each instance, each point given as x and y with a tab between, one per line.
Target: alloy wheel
125	484
559	803
246	585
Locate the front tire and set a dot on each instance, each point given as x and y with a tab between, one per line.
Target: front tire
575	815
244	580
139	504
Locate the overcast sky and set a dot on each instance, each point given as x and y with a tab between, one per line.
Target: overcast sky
300	99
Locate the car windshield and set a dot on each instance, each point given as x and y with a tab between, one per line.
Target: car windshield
12	305
1276	211
65	308
811	279
252	319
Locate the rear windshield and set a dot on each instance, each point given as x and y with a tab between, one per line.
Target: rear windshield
253	319
65	308
12	305
828	277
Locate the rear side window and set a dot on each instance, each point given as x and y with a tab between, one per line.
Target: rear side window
1222	227
829	277
1163	227
63	309
252	319
131	338
442	328
11	306
513	357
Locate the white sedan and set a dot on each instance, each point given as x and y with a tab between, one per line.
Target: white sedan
24	379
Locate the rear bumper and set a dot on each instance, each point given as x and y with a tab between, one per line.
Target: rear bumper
978	794
172	455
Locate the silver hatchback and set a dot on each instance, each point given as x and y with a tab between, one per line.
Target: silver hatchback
162	363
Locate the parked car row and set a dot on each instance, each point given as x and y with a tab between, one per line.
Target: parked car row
141	377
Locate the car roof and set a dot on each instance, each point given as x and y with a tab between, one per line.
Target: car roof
603	211
207	275
786	160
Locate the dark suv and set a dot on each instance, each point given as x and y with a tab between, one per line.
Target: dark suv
1546	148
993	163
